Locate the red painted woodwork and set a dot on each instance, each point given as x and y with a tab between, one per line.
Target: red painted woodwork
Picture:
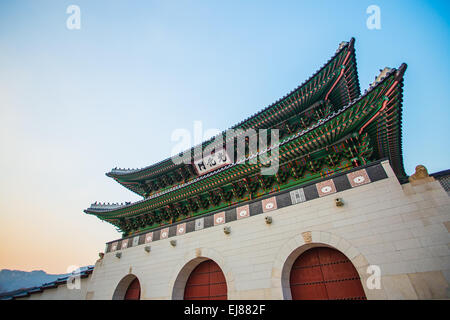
133	291
325	273
206	282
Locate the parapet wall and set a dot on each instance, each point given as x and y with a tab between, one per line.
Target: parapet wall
402	229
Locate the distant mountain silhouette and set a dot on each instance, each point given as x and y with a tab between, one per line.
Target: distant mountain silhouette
11	280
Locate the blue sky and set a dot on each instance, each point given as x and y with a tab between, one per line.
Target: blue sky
76	103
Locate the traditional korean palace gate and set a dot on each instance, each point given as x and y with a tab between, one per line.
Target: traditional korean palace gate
206	282
324	273
332	138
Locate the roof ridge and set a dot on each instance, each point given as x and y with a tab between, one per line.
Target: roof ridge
84	271
342	46
398	75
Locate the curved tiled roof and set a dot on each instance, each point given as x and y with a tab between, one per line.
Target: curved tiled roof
388	148
85	272
352	88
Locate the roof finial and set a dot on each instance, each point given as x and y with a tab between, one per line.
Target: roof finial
381	76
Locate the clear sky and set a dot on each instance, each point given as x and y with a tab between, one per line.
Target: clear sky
76	103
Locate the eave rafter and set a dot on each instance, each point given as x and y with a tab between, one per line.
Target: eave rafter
318	136
338	137
315	88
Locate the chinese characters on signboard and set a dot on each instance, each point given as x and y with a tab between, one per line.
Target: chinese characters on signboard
212	162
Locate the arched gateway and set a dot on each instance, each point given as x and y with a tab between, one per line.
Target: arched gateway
129	288
334	142
206	282
133	291
324	273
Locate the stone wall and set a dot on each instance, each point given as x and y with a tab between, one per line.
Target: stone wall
61	292
403	229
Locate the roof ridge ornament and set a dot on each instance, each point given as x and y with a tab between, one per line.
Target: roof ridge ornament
167	163
383	72
108	205
398	73
341	45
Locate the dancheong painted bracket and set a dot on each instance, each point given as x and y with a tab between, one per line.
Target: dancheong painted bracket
326	129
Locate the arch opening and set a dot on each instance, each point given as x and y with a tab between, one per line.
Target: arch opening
204	273
323	273
129	288
206	282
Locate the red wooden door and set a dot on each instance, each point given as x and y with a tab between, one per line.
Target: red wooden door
133	291
206	282
325	273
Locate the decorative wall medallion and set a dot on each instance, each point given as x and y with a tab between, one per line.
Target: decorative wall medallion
243	212
199	224
358	178
149	237
269	204
297	196
164	233
219	218
325	188
181	229
307	237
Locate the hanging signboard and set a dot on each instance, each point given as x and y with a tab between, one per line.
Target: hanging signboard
212	162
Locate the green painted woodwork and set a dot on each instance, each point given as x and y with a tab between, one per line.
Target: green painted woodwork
316	142
295	102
